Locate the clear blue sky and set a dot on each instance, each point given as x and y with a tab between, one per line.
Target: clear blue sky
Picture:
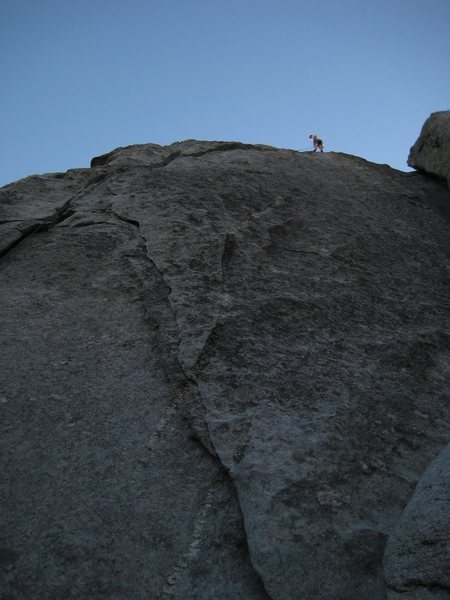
81	77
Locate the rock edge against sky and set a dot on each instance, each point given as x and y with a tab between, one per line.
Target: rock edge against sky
225	374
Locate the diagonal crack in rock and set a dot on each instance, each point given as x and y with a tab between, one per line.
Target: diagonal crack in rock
202	434
135	223
60	214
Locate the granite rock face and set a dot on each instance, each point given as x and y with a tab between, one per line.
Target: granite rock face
417	556
431	152
224	369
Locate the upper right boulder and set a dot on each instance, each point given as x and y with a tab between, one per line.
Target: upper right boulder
431	152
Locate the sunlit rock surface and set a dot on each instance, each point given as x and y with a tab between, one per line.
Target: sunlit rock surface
224	369
431	152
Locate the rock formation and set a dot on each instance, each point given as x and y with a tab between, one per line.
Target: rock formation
417	557
224	370
431	152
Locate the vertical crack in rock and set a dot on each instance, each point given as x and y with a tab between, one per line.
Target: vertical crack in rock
202	434
255	568
166	419
188	377
182	565
217	455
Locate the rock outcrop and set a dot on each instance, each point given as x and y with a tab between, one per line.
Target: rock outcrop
224	370
431	152
418	552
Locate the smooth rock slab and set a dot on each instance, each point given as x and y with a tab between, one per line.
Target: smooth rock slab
104	493
241	331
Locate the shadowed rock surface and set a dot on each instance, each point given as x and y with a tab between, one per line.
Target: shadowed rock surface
418	553
224	369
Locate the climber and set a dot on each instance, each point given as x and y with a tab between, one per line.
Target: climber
318	143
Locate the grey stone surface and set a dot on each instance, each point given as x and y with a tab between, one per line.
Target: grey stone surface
417	559
35	203
224	370
431	152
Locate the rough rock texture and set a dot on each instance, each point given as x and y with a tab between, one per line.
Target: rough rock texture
417	557
431	152
224	369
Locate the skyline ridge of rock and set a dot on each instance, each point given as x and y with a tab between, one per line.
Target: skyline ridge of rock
224	373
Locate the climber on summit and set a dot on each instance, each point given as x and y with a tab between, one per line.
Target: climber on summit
318	143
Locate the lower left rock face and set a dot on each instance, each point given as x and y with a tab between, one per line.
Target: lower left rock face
106	494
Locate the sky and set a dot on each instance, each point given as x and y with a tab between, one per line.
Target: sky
82	77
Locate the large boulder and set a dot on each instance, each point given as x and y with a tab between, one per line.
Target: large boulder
224	369
417	559
431	152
